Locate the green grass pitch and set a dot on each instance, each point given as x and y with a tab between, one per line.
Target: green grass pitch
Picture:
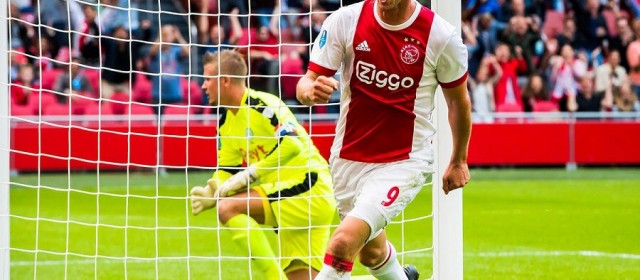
518	224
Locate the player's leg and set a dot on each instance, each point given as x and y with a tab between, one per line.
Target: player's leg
304	222
379	256
389	189
242	214
298	270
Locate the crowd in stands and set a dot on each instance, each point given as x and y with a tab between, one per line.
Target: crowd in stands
524	55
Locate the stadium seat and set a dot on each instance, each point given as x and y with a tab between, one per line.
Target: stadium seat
38	102
80	103
119	103
56	109
49	77
177	115
142	114
96	113
545	106
142	91
21	110
292	71
96	109
553	24
509	108
93	75
191	92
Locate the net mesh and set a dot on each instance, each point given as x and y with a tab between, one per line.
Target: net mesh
110	130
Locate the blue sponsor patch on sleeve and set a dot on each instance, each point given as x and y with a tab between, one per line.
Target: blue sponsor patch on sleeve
323	38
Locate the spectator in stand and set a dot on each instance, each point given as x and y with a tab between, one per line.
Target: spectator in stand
590	23
119	13
535	91
566	69
519	36
166	53
610	73
587	99
486	34
506	89
88	41
25	86
218	39
72	82
60	18
625	100
482	89
621	42
310	27
120	57
570	36
264	55
633	58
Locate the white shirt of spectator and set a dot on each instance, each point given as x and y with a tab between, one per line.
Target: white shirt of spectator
390	74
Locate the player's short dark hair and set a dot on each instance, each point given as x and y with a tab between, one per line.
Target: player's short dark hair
230	63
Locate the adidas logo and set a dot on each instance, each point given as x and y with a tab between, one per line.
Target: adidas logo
363	47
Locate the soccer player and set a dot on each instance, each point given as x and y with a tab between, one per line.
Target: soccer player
393	54
286	183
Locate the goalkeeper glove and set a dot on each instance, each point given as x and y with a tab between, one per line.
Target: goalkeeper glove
203	198
239	181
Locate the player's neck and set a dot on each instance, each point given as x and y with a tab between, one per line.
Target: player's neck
398	15
235	98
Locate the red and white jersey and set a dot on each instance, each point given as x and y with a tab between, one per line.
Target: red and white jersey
389	76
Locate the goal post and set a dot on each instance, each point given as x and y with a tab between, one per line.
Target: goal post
4	144
447	209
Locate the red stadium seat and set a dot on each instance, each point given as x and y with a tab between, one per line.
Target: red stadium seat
96	113
56	110
191	92
142	114
142	91
38	102
553	23
292	71
509	108
93	75
545	106
119	103
49	77
80	103
96	109
21	110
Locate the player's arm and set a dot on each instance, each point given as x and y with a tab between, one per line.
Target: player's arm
229	163
287	147
457	173
451	70
314	88
326	56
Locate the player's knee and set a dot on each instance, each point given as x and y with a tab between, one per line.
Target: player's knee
227	209
342	244
371	256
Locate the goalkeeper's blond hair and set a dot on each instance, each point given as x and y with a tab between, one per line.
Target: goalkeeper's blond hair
231	64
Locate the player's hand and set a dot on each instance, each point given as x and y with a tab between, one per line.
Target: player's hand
238	182
455	177
203	198
323	87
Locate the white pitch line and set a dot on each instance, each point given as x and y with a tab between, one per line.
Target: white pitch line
481	254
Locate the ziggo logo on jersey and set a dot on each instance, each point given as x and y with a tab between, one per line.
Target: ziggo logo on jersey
367	73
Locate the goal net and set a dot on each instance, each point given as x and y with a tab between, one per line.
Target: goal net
105	129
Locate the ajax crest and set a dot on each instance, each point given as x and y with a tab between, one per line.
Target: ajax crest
409	54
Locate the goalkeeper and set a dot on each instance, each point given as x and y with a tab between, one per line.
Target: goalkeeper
286	182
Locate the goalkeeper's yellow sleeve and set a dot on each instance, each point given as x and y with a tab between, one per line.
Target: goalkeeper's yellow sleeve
288	147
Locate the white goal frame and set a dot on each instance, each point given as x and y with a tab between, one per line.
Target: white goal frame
447	210
5	143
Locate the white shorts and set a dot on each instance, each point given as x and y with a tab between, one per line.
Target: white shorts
377	192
